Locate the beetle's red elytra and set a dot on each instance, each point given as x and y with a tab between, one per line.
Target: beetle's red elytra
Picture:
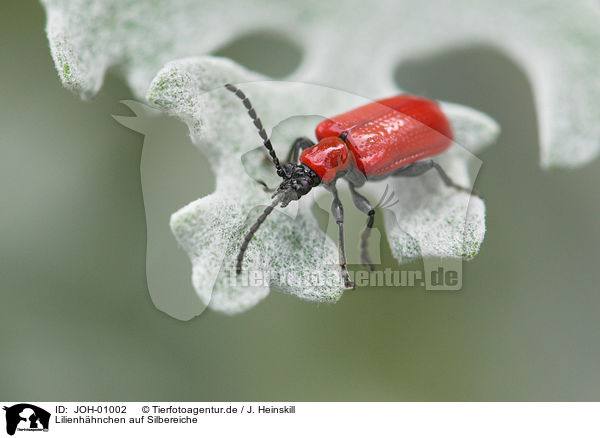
381	136
387	138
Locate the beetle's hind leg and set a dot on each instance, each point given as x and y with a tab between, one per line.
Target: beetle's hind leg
420	167
365	206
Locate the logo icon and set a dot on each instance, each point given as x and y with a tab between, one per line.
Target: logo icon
26	417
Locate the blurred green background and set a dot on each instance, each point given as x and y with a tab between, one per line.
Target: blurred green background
77	323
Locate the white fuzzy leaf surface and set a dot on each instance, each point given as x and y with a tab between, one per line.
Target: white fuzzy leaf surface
351	44
156	47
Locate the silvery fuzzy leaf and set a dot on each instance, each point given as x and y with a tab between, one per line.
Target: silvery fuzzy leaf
137	38
555	42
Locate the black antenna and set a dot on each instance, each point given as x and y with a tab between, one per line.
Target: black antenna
261	131
253	229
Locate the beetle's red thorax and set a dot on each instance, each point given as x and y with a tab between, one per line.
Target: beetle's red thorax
327	158
385	135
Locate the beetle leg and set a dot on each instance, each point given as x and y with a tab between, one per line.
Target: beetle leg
264	185
365	206
338	213
300	143
420	167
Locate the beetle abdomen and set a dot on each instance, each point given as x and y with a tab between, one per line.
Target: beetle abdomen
390	133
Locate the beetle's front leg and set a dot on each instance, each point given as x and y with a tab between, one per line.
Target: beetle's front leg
299	144
337	210
265	187
420	167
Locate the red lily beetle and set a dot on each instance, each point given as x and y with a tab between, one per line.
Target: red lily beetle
387	138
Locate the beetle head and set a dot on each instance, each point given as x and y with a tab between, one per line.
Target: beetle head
299	179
